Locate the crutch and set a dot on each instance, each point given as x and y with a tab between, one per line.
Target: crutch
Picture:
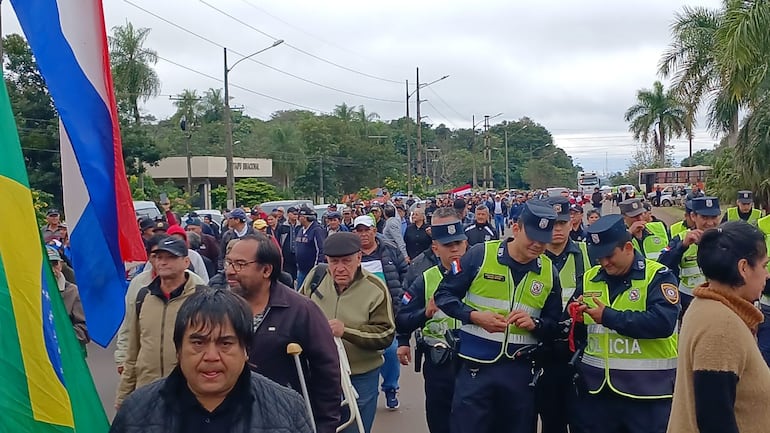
349	393
294	349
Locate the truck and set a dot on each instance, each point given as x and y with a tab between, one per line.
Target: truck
586	182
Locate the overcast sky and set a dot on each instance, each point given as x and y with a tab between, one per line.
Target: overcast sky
573	66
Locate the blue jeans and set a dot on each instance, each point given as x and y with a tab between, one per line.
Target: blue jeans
391	368
366	387
500	224
300	278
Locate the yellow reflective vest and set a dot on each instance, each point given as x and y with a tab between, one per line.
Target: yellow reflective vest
569	274
436	326
632	367
690	274
732	215
764	226
677	228
654	242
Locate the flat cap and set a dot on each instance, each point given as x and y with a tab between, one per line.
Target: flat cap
342	244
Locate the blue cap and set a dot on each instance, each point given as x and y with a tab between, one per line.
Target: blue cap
538	218
604	235
238	213
688	206
195	221
448	233
706	206
561	206
745	197
333	214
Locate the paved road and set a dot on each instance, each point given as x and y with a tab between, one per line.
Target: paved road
409	418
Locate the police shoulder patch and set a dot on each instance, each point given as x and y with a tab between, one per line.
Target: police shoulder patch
670	292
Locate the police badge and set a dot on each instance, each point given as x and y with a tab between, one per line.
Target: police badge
451	229
557	208
543	223
709	203
633	295
595	238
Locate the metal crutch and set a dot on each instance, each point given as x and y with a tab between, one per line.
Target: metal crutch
294	349
350	396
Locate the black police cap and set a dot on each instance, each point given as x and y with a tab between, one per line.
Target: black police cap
561	206
538	218
604	235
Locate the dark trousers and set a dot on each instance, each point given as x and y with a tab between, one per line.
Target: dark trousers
555	399
763	336
439	388
608	412
494	398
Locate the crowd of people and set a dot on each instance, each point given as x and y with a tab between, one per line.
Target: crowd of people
574	322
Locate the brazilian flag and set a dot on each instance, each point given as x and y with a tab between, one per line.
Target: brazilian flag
45	384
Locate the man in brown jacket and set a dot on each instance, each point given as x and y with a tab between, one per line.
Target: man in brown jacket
151	354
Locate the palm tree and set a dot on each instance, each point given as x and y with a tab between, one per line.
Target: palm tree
189	105
344	112
657	117
213	105
365	118
132	70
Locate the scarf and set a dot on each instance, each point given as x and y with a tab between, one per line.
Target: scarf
750	315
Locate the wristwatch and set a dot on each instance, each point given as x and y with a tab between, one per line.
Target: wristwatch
538	323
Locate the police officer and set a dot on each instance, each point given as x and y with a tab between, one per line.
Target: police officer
508	297
743	209
763	333
630	307
686	223
419	310
681	253
554	392
649	238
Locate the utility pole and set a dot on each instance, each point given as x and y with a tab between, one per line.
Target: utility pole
507	163
229	143
473	150
408	144
321	176
419	128
186	125
487	155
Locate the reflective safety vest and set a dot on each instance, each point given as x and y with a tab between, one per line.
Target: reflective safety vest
690	274
633	367
493	290
764	226
653	243
732	215
436	326
569	273
676	228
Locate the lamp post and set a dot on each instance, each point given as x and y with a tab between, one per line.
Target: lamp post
229	125
419	126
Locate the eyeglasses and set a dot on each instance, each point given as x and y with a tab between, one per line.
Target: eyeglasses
238	266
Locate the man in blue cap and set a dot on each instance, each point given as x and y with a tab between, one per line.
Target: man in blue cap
630	307
681	254
419	311
508	297
554	392
743	209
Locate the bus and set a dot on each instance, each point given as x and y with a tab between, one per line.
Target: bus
672	177
586	182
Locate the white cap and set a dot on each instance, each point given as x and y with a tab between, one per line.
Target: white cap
363	220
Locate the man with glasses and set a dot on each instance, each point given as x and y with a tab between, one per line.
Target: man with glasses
150	323
239	227
282	316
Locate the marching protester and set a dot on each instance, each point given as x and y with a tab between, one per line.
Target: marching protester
209	246
212	388
71	298
743	210
239	227
196	262
358	306
309	243
334	223
417	236
282	316
287	239
392	230
722	381
481	231
419	311
53	227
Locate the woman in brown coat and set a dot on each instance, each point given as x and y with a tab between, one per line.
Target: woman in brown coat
722	381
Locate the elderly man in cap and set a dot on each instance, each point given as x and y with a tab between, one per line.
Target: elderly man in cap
358	306
209	246
629	306
334	223
508	297
681	254
649	238
52	228
238	223
309	240
743	209
419	311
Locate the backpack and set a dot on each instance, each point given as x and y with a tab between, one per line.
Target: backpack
318	276
140	300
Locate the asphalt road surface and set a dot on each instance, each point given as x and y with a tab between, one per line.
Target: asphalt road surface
409	418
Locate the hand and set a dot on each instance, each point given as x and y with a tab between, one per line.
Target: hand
596	312
692	237
404	354
491	322
338	328
120	370
431	308
636	229
165	206
408	260
521	319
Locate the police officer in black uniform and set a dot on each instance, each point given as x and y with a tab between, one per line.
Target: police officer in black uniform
419	311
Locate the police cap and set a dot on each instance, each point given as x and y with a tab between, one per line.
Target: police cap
342	244
706	206
604	235
448	233
538	218
631	207
745	197
561	207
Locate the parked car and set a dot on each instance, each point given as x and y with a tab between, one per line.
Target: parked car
146	209
215	215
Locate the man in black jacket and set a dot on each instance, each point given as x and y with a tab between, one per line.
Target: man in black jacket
212	388
481	231
283	316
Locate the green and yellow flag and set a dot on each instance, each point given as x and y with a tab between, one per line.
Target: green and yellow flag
45	384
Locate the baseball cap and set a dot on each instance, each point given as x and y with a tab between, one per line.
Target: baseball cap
365	220
176	230
538	218
448	233
238	213
706	206
631	207
342	244
561	207
291	209
459	204
174	246
52	212
333	214
604	235
146	223
161	225
259	224
745	197
193	221
306	211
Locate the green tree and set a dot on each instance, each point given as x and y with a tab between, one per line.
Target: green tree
132	72
656	118
248	192
701	157
188	106
213	105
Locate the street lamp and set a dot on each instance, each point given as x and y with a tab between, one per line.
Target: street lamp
229	125
419	126
507	162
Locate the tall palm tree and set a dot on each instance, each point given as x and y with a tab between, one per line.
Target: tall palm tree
657	117
344	112
365	118
132	71
213	105
189	105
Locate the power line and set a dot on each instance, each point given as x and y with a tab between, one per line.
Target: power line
445	102
399	82
440	114
281	71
